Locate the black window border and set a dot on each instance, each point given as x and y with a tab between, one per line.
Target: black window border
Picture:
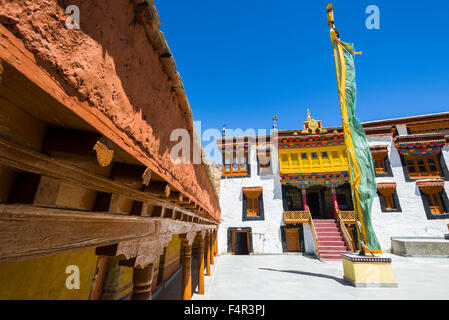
389	172
395	199
425	202
443	166
260	217
442	163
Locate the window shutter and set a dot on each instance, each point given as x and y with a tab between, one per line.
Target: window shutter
252	200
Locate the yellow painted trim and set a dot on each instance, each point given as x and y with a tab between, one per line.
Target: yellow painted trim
343	164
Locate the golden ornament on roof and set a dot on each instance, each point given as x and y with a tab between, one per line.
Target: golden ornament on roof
311	126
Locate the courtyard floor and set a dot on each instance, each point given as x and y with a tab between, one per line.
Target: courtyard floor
297	277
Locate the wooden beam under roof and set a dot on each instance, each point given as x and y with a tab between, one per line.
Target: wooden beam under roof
28	232
132	174
48	101
21	158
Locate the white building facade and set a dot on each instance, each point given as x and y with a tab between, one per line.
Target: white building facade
411	157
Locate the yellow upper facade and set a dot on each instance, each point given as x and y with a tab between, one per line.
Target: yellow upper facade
318	159
312	150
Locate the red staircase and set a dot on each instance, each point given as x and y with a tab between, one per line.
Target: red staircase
330	240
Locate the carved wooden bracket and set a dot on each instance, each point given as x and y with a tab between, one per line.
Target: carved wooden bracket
105	151
146	176
188	238
136	253
202	234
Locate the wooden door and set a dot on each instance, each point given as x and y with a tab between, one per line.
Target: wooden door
292	240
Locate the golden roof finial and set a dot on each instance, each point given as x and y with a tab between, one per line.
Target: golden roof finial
311	126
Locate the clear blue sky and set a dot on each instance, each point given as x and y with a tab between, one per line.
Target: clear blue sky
244	61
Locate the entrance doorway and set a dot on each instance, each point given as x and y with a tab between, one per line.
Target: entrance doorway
292	240
240	242
313	201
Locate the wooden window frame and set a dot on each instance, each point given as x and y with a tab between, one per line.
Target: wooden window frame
379	166
435	203
252	204
388	197
427	188
382	167
434	198
417	173
381	163
232	171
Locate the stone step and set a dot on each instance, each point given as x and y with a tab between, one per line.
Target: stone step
332	248
330	238
326	229
332	252
323	221
332	224
331	243
330	257
328	234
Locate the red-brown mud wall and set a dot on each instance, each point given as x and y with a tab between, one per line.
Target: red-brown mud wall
111	64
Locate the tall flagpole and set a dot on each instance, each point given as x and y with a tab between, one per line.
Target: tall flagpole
335	36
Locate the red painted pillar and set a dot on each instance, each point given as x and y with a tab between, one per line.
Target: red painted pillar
304	198
334	201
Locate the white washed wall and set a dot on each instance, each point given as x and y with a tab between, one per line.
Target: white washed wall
309	241
412	221
266	234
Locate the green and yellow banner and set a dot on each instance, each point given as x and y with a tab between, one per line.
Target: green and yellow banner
360	159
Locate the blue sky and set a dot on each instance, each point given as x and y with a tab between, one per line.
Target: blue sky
244	61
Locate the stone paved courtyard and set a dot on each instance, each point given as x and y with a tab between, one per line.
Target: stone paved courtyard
299	277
